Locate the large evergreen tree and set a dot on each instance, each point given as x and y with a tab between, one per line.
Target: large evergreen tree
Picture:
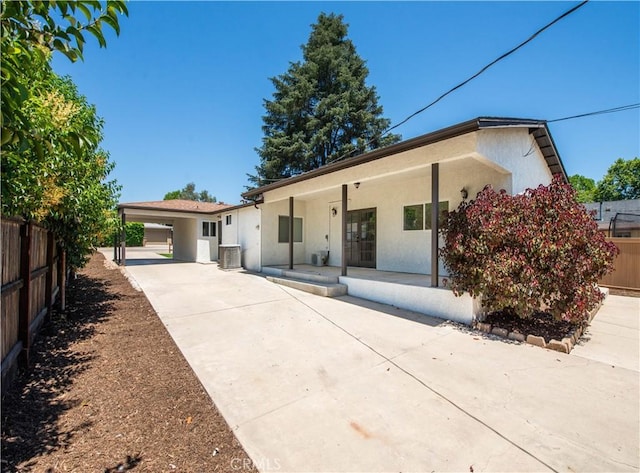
322	110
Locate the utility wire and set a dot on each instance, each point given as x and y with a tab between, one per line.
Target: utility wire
466	81
463	83
599	112
508	53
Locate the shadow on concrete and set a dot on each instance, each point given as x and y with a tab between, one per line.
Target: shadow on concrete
394	311
152	261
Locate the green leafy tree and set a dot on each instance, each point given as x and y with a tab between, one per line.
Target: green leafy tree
189	192
322	110
135	233
522	253
31	30
65	188
622	181
585	188
53	170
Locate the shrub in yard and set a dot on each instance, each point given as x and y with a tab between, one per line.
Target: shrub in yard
539	250
135	233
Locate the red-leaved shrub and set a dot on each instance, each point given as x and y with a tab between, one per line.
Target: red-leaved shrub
540	250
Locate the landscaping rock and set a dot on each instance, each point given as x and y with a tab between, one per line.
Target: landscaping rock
501	332
558	346
484	327
537	341
569	343
519	337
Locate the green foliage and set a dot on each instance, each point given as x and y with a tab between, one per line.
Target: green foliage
189	192
523	253
31	30
135	233
585	188
622	181
322	110
61	186
53	170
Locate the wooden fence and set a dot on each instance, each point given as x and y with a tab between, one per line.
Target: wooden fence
626	274
32	278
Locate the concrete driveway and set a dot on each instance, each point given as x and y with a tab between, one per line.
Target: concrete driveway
312	384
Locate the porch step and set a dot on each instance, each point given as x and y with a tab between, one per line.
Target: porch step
300	275
319	288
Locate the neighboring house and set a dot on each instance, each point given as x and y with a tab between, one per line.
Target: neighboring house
618	218
374	212
188	219
157	234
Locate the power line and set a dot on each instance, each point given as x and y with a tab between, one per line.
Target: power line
466	81
599	112
495	61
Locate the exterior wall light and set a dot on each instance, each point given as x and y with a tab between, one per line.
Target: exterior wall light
356	184
334	211
464	193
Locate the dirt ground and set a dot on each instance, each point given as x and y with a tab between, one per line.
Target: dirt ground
108	391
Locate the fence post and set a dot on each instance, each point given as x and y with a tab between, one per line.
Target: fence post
49	281
26	232
62	277
115	247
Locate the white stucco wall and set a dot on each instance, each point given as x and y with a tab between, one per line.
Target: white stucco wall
185	236
274	253
515	150
229	231
504	158
436	302
397	249
249	230
323	229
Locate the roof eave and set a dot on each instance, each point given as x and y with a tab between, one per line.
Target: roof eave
433	137
537	127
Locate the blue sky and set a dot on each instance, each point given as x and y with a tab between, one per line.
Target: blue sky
181	90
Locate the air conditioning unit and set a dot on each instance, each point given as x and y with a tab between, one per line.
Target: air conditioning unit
229	256
320	258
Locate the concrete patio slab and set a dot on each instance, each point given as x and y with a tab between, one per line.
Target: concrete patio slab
316	384
612	337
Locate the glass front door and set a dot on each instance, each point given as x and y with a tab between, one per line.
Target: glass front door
361	238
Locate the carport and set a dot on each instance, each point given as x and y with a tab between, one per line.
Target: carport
187	218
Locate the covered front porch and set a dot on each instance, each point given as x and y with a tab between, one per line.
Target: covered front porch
408	291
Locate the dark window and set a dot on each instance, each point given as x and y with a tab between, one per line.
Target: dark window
228	219
443	208
283	229
414	217
209	229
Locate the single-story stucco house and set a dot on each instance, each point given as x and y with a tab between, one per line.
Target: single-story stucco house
371	219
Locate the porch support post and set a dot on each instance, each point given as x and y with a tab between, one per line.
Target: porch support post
344	229
435	184
290	232
123	241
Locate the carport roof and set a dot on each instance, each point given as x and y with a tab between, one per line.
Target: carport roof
176	205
